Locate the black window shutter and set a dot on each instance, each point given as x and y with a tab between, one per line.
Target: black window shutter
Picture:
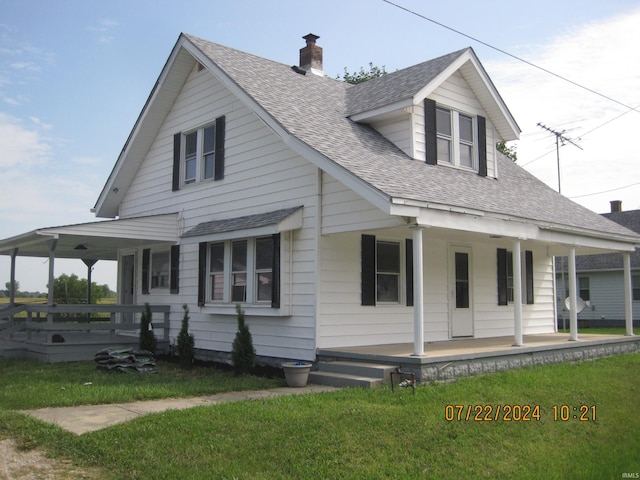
482	146
368	255
502	276
202	272
175	184
409	270
528	265
275	278
430	132
175	269
146	259
219	157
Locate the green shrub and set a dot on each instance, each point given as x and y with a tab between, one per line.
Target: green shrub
147	338
243	354
186	342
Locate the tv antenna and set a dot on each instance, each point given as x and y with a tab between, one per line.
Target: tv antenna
560	138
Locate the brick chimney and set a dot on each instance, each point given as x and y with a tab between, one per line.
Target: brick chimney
311	55
616	206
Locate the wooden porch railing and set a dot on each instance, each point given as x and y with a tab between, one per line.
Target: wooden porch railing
77	318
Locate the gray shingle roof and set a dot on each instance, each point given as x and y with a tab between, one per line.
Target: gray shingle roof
314	109
240	223
396	86
610	261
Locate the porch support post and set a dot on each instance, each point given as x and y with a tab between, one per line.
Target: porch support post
628	295
573	300
517	293
418	294
12	277
52	256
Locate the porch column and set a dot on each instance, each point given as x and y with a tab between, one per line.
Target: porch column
418	294
628	293
517	293
573	298
12	277
52	255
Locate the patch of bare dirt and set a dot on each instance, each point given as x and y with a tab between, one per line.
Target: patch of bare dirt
16	464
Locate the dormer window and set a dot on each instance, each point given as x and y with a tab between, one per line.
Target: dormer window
455	138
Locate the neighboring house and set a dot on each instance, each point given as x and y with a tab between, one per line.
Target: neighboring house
335	214
601	280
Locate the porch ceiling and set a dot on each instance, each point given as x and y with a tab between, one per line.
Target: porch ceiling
95	240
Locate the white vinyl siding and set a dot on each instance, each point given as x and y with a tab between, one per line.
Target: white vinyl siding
455	94
261	174
344	322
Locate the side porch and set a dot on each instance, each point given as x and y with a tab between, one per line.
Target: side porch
64	333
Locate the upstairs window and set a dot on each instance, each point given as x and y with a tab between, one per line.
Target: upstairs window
198	155
455	140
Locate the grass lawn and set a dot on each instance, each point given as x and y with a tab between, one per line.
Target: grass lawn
358	433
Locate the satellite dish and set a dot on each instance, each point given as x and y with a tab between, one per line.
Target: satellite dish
580	304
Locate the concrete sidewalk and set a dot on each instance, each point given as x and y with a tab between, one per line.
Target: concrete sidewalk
88	418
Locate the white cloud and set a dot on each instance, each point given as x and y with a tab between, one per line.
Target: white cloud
21	147
600	56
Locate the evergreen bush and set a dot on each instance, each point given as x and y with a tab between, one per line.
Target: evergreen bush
147	338
186	342
243	355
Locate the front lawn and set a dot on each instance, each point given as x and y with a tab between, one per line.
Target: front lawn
377	434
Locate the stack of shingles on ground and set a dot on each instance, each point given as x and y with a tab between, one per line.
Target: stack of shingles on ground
126	360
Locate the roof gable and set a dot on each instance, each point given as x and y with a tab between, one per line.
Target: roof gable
410	86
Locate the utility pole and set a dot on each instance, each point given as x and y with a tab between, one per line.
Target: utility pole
560	137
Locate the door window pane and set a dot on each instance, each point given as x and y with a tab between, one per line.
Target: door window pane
462	280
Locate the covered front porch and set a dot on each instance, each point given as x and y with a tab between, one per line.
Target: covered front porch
448	360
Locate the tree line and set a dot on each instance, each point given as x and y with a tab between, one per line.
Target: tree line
66	289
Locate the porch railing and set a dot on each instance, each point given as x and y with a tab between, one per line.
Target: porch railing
62	319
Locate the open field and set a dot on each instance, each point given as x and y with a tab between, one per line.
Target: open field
354	433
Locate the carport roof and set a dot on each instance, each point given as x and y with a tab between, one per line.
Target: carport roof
95	240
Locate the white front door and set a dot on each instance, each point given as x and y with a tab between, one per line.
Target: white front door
460	289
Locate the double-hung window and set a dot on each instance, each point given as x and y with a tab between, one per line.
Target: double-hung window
198	154
387	271
455	138
635	287
160	268
241	271
506	280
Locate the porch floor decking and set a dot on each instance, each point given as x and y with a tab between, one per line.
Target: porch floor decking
448	360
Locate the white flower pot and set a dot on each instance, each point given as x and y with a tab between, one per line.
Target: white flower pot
296	373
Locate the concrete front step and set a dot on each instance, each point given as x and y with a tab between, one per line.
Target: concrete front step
351	374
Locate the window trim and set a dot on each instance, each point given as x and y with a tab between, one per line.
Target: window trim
635	287
179	179
505	272
455	140
369	271
251	273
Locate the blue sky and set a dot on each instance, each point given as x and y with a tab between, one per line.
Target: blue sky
74	75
